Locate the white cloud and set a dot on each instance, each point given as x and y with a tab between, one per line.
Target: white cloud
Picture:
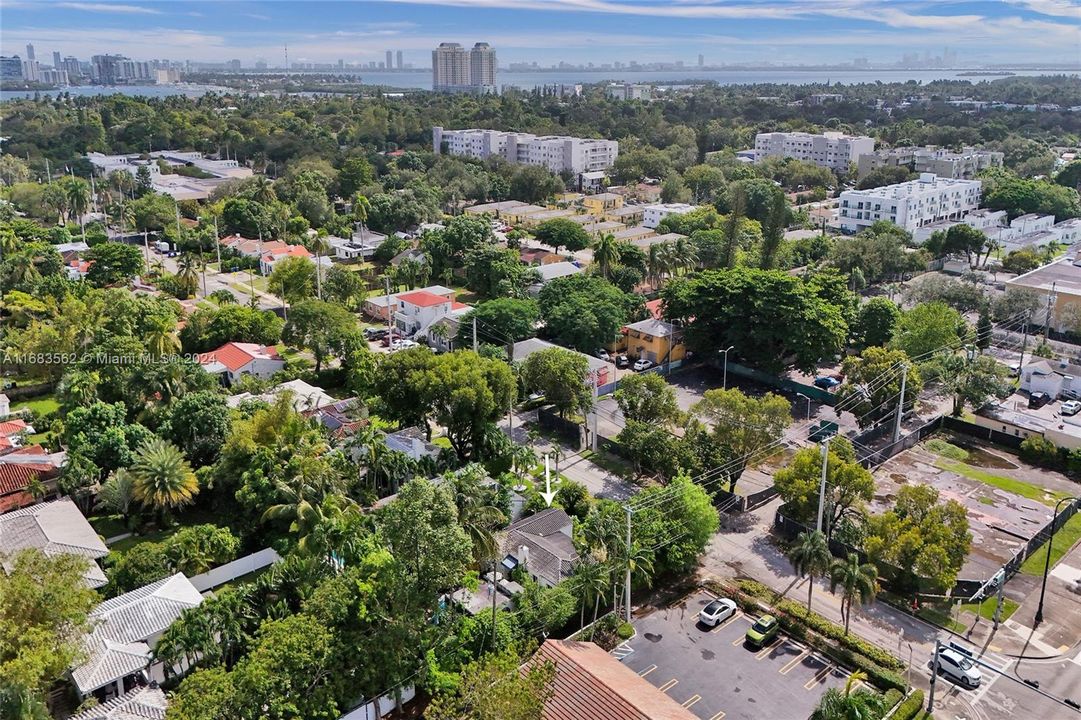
1056	8
109	8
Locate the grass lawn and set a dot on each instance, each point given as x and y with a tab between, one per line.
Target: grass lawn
936	614
986	609
128	543
108	525
1064	539
42	405
609	462
442	441
1019	487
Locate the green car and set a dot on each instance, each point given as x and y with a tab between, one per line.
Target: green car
764	630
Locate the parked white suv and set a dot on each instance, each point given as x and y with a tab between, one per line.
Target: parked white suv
958	667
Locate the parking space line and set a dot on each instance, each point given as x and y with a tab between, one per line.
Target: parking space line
718	716
647	671
692	700
668	685
768	649
795	661
739	641
727	622
819	677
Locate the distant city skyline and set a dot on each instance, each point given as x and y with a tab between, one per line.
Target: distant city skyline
576	32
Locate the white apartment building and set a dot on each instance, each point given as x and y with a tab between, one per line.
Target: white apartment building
941	162
455	69
831	150
653	214
629	91
555	152
910	205
482	65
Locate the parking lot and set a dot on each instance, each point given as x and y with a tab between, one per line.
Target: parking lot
712	673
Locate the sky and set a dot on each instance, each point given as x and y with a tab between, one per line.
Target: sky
548	31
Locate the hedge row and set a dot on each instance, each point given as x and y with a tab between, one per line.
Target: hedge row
835	632
911	707
892	697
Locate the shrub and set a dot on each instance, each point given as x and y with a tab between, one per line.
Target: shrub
892	697
910	707
1038	450
880	677
835	632
947	450
625	631
755	588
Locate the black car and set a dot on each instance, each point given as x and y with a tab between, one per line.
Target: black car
1038	399
374	333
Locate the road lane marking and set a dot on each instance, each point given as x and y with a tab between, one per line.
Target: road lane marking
768	649
718	716
795	661
818	678
647	671
668	685
692	700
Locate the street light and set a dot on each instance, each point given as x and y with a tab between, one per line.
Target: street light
1047	562
808	405
724	380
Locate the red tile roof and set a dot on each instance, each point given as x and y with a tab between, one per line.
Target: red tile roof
14	477
29	450
422	298
12	427
655	309
455	305
235	355
590	683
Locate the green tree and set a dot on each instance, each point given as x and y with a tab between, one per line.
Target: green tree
974	382
293	279
141	565
927	329
163	479
561	376
873	383
355	173
876	322
562	233
499	322
852	703
494	272
858	582
773	231
315	324
772	319
742	426
810	557
493	688
44	616
112	263
648	399
849	486
586	312
199	424
677	521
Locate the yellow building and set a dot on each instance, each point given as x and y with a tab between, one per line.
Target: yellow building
627	214
602	202
519	214
655	340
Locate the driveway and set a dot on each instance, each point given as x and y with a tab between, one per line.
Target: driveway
714	674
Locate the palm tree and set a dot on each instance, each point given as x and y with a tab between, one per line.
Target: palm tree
639	560
78	194
78	388
684	255
163	479
161	337
262	190
361	208
320	247
655	264
186	273
858	581
606	254
476	513
852	703
306	507
117	494
810	557
591	582
22	269
669	262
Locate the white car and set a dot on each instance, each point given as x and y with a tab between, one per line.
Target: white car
642	364
402	345
958	667
1071	407
716	612
603	355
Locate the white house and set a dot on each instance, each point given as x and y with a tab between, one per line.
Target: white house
234	359
126	630
54	528
555	152
419	309
653	214
5	406
381	307
1056	378
553	271
411	442
361	246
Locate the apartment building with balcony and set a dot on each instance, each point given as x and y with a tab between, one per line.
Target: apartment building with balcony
911	204
558	153
942	162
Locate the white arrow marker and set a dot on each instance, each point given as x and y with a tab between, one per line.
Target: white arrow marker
548	495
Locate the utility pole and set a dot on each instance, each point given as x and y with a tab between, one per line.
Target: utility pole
179	235
998	604
386	279
596	421
474	333
1024	344
934	677
627	613
1047	317
822	484
900	404
217	244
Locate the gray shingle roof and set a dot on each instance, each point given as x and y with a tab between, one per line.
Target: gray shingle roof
547	536
142	703
55	528
117	647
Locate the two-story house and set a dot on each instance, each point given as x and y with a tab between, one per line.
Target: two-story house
419	310
234	359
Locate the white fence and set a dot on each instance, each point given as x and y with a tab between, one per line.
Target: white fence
386	706
237	568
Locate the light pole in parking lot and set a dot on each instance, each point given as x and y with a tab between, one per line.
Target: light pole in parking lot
808	405
724	376
1047	562
934	677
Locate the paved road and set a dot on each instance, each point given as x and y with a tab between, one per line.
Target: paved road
221	281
